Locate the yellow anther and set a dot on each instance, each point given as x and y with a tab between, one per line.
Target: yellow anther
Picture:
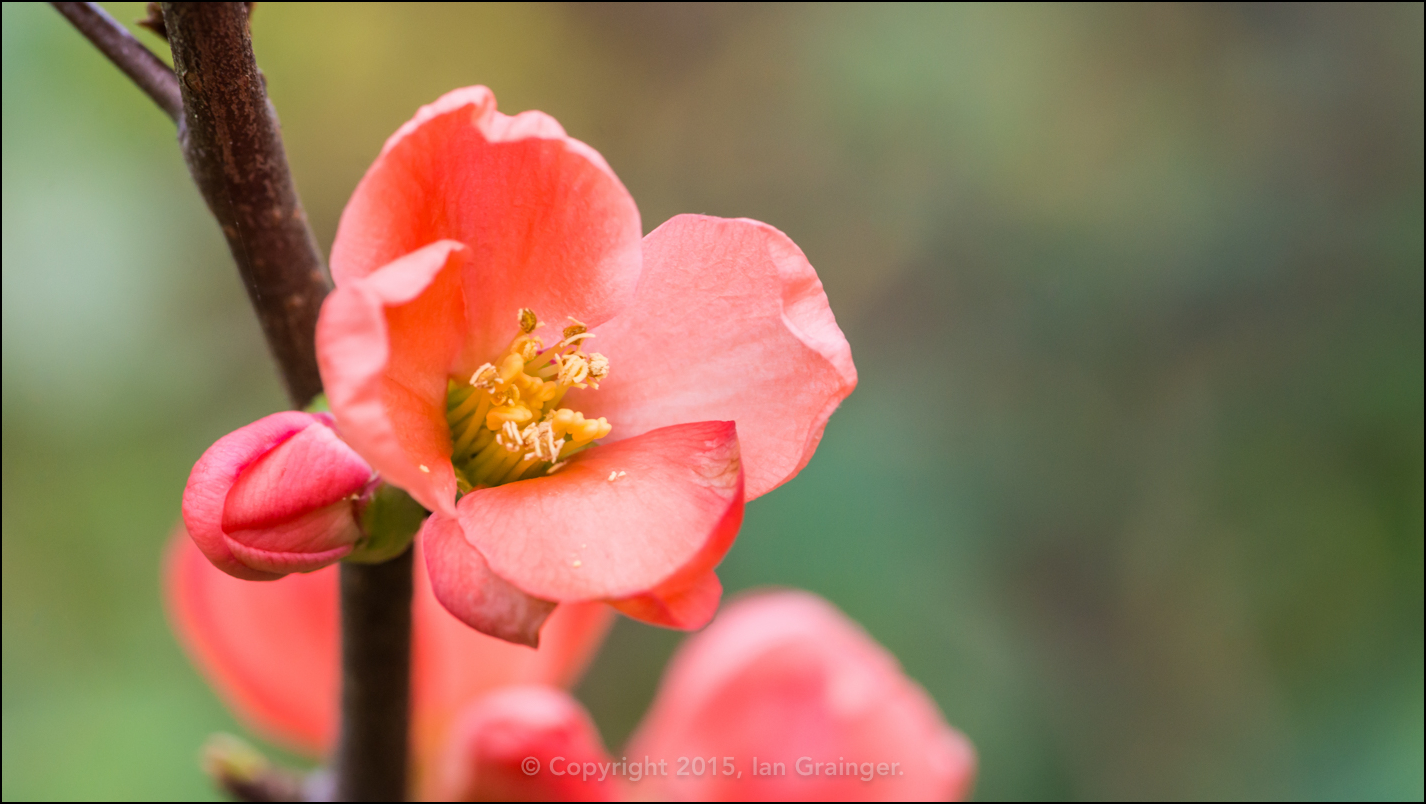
484	377
509	395
587	430
542	443
598	366
564	419
510	437
573	369
528	347
576	340
553	443
506	425
510	366
529	386
496	419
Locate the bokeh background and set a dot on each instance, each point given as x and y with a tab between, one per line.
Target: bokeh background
1133	479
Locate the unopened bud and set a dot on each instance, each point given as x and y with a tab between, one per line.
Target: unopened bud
277	496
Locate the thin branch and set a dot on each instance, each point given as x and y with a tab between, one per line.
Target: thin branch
232	144
233	147
376	680
138	62
244	773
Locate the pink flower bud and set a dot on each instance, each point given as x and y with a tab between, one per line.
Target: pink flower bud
281	495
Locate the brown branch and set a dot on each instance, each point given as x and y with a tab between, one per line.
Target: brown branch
376	680
129	54
234	151
232	144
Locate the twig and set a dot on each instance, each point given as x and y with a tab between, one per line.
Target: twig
138	62
230	139
245	774
376	680
234	152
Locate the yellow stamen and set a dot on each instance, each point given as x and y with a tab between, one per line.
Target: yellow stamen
530	348
485	377
598	366
496	418
505	420
510	366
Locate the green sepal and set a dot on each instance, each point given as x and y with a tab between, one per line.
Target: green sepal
390	522
318	405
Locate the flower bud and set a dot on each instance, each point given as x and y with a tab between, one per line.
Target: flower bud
283	494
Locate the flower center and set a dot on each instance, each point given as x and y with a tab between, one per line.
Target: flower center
506	422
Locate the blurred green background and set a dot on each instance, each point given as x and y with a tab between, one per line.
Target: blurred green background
1133	479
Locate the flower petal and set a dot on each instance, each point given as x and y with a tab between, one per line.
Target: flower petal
298	545
526	743
312	469
453	665
729	322
386	344
785	677
213	477
464	584
652	513
677	605
272	652
270	649
550	225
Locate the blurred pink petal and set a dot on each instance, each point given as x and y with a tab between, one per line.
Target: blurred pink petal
786	678
269	649
272	651
526	744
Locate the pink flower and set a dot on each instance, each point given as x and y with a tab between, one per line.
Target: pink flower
491	747
718	365
283	494
272	652
782	698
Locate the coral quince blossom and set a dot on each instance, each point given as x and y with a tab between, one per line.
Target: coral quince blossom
782	698
272	652
584	411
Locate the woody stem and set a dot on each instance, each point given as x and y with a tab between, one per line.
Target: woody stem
376	680
229	136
